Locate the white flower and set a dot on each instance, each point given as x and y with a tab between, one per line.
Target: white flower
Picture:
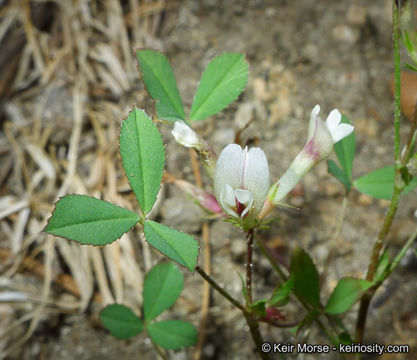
319	146
322	136
241	182
186	136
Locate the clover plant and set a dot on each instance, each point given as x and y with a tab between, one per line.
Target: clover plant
242	195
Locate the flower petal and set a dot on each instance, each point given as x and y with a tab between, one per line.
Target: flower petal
228	200
245	197
312	124
229	168
256	176
333	119
341	132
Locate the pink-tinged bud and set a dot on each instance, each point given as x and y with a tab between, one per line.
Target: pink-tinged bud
274	314
241	182
187	137
321	137
203	198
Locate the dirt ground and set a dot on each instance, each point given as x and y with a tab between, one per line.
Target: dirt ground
334	53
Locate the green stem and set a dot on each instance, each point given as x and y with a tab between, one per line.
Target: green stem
249	265
219	289
253	324
251	320
271	260
397	74
402	252
398	185
284	278
379	244
411	138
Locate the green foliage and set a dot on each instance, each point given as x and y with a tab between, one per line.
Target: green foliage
382	267
345	338
163	285
89	220
307	321
143	156
346	293
411	67
173	334
345	152
179	247
306	277
259	307
281	294
160	83
338	173
121	321
223	80
244	291
380	183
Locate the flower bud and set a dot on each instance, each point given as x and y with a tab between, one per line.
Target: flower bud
241	182
187	137
321	137
203	198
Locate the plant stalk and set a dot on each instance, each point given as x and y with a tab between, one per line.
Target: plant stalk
251	320
249	265
266	252
219	289
397	76
398	184
379	244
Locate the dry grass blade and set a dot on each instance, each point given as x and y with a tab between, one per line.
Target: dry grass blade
67	66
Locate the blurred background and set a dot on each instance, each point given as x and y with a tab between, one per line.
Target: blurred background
68	76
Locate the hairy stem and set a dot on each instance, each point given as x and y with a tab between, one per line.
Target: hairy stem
398	186
253	324
249	265
251	319
379	244
402	252
219	289
397	74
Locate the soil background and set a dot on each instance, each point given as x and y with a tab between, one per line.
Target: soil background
301	53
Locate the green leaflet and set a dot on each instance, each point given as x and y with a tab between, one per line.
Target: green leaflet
180	247
89	220
173	334
346	293
163	285
161	84
223	80
143	157
306	277
338	173
380	183
121	321
281	294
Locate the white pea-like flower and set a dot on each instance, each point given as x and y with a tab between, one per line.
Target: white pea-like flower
319	146
241	182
